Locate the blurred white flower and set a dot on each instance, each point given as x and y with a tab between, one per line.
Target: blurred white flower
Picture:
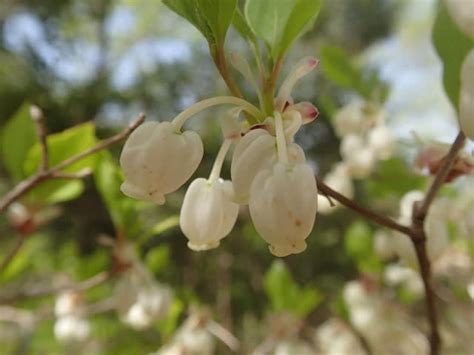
71	329
462	12
333	337
338	179
466	95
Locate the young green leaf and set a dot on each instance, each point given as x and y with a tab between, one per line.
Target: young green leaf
211	17
61	146
303	13
280	22
452	46
240	24
18	137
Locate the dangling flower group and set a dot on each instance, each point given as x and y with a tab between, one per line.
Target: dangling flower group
269	170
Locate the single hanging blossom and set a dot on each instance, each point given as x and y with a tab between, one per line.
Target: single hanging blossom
283	201
208	213
256	152
466	99
157	159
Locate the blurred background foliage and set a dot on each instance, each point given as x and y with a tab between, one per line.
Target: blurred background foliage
94	65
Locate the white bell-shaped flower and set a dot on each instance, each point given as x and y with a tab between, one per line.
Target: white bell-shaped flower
466	99
208	214
358	157
283	201
157	159
255	152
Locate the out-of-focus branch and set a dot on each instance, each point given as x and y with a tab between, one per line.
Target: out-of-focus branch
41	291
34	180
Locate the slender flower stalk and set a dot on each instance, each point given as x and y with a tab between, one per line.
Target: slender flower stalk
179	120
217	167
280	136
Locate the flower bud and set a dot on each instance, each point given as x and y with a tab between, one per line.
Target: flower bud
207	213
466	99
255	152
157	160
283	205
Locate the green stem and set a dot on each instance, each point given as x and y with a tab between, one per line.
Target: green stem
218	55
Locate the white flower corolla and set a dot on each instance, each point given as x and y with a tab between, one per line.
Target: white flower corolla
462	12
383	245
67	303
283	201
71	328
435	227
208	214
358	157
357	118
382	142
192	338
334	337
151	304
255	152
396	275
363	306
466	95
157	159
338	179
292	347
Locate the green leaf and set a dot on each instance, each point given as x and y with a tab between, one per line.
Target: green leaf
280	22
18	137
359	244
268	18
452	46
358	241
240	24
211	17
286	295
304	12
108	178
337	66
62	146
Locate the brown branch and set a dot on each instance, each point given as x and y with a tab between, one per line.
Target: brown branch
38	118
78	175
218	55
364	212
422	210
34	180
418	238
9	257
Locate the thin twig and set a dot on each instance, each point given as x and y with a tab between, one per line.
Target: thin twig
224	335
38	118
78	175
34	180
35	292
420	212
364	212
9	257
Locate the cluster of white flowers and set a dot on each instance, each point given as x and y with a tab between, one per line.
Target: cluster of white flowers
269	171
70	326
365	139
334	337
140	300
386	330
